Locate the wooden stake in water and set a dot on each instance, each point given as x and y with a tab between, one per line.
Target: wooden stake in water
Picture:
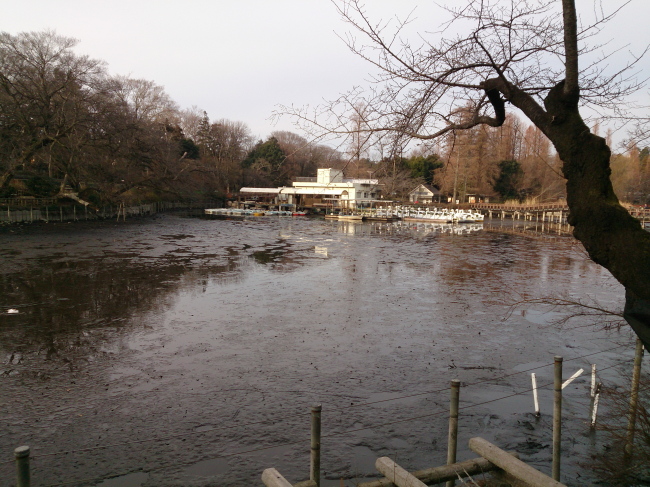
21	455
452	443
557	418
634	397
534	379
314	465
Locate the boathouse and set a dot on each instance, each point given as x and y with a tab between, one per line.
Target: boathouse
425	194
329	189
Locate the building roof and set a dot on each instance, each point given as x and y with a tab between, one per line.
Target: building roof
428	187
260	190
288	190
315	190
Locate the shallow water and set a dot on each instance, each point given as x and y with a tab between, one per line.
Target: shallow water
222	334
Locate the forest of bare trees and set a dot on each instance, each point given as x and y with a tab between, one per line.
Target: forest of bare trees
67	124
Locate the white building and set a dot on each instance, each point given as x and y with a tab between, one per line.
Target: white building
329	189
424	194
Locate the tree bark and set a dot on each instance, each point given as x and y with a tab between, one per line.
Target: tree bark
611	236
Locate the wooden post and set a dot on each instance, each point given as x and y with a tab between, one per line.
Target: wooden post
47	213
557	418
452	441
634	396
397	474
314	464
22	466
437	475
272	478
61	212
514	467
535	401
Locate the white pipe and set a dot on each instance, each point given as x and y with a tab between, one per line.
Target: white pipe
532	376
593	414
593	380
572	378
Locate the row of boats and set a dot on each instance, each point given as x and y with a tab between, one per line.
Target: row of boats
439	215
414	214
406	213
252	212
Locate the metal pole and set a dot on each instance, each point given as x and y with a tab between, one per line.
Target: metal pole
314	465
634	396
22	466
557	418
452	442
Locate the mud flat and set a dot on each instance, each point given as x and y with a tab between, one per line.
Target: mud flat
188	351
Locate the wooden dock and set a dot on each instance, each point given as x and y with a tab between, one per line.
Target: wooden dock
551	213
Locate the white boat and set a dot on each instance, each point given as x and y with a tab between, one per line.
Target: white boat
443	215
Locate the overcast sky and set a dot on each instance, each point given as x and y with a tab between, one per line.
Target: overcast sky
239	59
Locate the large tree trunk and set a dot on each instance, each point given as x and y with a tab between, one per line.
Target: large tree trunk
611	236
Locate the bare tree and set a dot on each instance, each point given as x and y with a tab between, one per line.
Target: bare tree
523	53
147	100
190	119
45	90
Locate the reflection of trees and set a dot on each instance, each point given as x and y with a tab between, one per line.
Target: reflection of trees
279	256
67	304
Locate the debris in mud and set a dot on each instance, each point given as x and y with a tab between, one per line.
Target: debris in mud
527	424
530	447
14	359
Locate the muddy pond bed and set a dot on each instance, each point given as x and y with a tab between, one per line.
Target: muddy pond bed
180	350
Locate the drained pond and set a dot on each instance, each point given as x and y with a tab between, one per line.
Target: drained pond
188	351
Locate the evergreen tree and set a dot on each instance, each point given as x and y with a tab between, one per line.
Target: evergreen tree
205	138
266	163
424	167
507	182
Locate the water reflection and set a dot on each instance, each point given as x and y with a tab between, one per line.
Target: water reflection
414	229
78	300
162	328
67	308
